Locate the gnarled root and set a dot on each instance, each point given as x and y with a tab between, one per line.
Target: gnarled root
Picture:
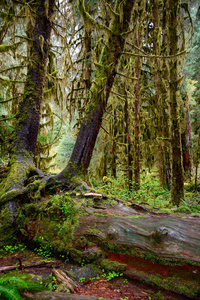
21	169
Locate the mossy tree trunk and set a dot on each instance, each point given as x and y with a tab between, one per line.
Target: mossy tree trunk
113	163
186	139
158	82
161	94
88	66
28	117
137	95
177	188
100	88
128	144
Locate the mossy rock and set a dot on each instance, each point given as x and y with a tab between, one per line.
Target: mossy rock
76	255
83	274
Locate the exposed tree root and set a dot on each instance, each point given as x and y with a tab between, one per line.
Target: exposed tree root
24	179
15	184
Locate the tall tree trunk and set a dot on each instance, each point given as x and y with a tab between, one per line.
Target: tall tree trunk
113	164
128	145
186	139
28	118
161	94
166	172
177	189
158	82
88	37
137	117
197	162
100	88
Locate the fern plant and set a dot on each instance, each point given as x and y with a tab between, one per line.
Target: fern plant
11	286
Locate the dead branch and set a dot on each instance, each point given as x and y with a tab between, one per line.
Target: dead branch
47	264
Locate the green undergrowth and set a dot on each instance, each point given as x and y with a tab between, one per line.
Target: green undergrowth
49	224
12	285
150	194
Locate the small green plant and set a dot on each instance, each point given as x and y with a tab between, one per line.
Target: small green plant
53	284
82	279
109	276
125	280
125	298
159	296
83	263
44	250
13	249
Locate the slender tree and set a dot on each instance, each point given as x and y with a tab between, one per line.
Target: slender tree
177	188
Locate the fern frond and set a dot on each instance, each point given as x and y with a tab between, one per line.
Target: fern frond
19	284
9	293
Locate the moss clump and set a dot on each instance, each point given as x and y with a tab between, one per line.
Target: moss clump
177	285
76	255
6	230
184	209
51	223
112	266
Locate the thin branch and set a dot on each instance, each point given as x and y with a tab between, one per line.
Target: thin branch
12	68
111	10
120	95
105	130
5	101
109	113
137	48
155	56
6	119
133	78
87	18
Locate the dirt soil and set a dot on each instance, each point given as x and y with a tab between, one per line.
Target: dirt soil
120	288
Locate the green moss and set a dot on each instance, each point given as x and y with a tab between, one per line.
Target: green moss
6	229
50	222
184	209
108	265
76	255
177	285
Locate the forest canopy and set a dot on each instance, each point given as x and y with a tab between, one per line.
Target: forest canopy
99	91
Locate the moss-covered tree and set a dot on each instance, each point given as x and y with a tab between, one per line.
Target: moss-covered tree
177	188
25	135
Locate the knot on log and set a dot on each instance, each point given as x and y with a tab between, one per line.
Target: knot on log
112	234
159	234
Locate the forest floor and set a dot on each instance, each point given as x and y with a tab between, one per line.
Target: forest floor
119	288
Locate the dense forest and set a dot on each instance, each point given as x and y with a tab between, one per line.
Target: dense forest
100	134
115	83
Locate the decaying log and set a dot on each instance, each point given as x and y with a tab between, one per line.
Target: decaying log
60	296
62	277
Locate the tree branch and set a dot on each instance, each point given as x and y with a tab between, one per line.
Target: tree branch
88	20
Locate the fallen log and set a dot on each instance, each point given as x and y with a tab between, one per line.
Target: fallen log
47	264
60	296
166	236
